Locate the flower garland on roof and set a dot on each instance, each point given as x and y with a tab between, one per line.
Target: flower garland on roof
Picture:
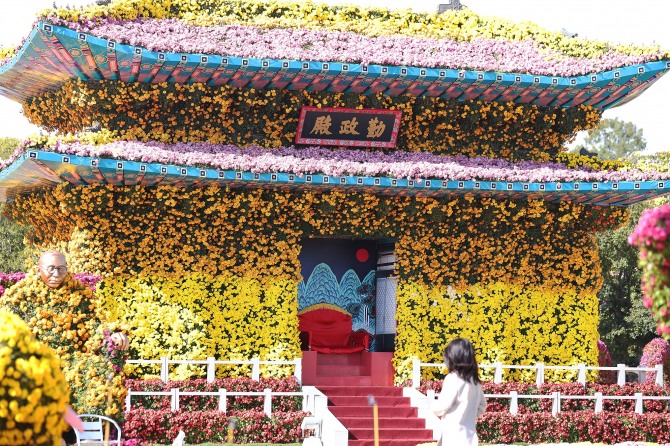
320	160
658	161
6	53
170	113
460	26
172	35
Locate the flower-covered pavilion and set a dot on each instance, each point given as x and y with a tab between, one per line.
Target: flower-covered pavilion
231	167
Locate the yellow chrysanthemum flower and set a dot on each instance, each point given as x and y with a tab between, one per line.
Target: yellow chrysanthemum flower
33	392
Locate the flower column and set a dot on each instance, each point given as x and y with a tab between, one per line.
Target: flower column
651	236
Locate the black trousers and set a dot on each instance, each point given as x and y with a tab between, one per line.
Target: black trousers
69	436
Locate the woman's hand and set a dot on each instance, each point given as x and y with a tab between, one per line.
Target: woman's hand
120	340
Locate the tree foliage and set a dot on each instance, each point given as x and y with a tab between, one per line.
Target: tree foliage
12	249
614	139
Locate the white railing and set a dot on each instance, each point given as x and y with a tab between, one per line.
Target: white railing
211	364
557	397
308	397
331	431
540	368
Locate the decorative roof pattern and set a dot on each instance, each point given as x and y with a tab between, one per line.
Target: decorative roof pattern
53	55
38	168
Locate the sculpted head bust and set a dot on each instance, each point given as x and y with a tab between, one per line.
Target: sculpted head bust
52	267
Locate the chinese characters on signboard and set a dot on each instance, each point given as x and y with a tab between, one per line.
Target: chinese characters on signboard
348	127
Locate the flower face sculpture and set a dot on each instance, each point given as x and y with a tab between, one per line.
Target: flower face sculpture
62	312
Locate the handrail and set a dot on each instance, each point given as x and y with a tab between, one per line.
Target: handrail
212	362
175	394
540	368
557	397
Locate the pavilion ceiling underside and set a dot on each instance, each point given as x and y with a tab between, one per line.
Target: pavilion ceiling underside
54	55
37	169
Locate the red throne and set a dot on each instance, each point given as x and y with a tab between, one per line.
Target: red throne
327	329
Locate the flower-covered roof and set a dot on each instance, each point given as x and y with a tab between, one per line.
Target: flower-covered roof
315	47
252	57
134	163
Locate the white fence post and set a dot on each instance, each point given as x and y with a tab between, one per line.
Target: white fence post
539	380
514	402
581	376
164	369
308	400
211	369
256	369
497	373
639	406
128	402
267	402
599	402
223	403
416	373
556	403
298	370
174	400
659	375
621	374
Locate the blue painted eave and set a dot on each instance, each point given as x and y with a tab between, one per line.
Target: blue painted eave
54	55
39	169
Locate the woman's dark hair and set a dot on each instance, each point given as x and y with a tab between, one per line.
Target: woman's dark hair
459	356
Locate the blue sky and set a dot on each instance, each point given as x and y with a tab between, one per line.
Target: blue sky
639	22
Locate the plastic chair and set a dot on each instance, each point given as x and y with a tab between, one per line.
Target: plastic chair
94	431
315	425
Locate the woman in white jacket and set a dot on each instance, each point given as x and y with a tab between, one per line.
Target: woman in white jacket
462	400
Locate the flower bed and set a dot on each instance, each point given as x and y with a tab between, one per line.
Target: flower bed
154	423
573	427
162	426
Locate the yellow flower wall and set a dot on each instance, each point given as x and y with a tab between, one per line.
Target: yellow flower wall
197	315
509	324
171	113
214	271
